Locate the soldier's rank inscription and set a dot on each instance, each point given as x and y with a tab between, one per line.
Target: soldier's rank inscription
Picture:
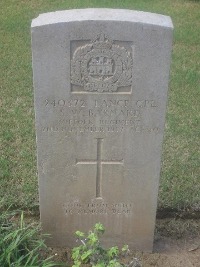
101	66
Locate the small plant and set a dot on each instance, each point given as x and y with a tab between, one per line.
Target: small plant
20	245
90	251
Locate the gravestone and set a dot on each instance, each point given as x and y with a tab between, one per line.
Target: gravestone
100	80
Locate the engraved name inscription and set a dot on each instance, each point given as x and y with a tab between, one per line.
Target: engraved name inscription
101	115
101	66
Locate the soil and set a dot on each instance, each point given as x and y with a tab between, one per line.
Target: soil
177	244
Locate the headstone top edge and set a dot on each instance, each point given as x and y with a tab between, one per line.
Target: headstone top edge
102	14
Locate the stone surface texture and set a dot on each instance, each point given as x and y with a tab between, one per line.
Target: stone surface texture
101	81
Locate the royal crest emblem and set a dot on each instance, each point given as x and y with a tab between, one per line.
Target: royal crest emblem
101	66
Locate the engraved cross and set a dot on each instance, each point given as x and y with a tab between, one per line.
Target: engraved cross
99	162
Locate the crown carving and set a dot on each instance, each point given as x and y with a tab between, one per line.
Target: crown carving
102	42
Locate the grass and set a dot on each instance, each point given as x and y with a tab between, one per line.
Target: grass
20	244
180	186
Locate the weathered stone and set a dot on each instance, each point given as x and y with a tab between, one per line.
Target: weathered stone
100	79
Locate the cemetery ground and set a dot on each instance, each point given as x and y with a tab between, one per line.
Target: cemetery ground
177	233
176	244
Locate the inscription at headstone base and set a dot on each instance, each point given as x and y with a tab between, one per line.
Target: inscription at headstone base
101	81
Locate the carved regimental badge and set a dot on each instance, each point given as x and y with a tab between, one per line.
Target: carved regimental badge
101	66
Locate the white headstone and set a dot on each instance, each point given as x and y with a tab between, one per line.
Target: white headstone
101	80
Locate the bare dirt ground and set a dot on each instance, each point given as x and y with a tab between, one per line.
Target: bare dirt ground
169	252
177	244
